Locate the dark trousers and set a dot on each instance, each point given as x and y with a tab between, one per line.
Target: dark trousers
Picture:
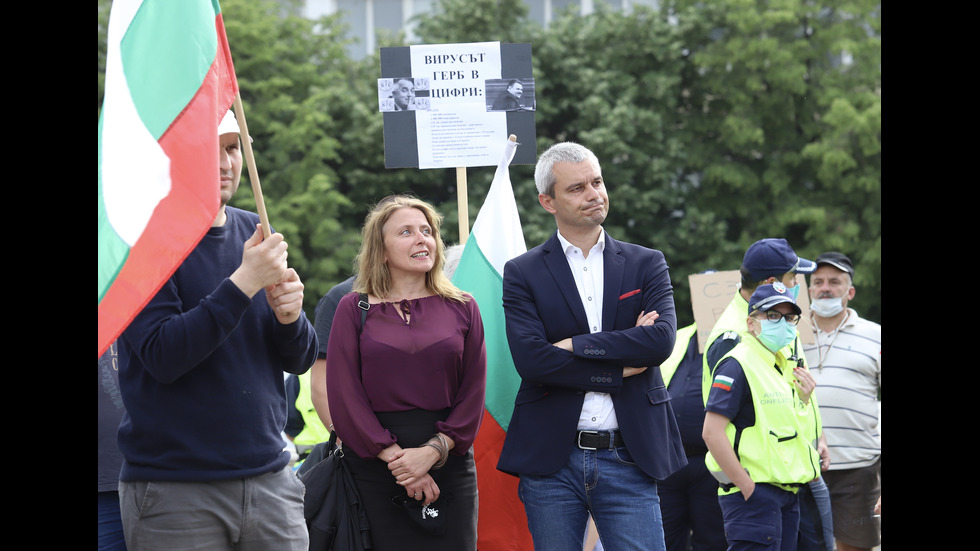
391	527
690	510
768	521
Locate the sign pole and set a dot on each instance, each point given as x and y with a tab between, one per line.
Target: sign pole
462	204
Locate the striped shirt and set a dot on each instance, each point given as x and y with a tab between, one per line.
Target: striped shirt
846	363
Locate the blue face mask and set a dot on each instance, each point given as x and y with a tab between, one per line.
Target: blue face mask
827	307
795	291
776	334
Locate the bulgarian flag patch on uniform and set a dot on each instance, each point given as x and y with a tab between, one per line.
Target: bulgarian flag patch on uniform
722	382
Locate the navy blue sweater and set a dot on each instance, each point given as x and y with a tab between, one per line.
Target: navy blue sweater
201	371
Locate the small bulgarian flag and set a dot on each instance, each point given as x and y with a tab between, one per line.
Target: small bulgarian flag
496	238
722	382
169	81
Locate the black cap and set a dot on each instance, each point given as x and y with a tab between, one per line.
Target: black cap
837	260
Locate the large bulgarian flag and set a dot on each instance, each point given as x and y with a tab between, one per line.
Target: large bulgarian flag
496	238
169	80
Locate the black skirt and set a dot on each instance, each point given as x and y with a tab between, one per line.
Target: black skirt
391	527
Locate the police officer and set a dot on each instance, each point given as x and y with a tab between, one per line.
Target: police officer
755	427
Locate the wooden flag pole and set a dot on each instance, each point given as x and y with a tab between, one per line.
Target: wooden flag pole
462	204
253	173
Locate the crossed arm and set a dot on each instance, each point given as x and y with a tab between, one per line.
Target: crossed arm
538	331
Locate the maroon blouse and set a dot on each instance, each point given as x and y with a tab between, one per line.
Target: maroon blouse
437	360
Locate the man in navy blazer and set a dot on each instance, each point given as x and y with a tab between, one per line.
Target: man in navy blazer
589	320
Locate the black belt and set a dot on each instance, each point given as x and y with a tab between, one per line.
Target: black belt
729	486
598	440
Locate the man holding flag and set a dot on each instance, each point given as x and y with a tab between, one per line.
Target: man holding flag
211	311
201	376
589	319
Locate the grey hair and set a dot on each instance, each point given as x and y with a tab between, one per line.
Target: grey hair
564	152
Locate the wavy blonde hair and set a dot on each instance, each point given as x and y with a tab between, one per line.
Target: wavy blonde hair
373	276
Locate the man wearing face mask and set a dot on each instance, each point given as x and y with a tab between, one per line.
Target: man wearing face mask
766	261
846	361
758	414
770	261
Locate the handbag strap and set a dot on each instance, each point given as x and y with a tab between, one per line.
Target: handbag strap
364	305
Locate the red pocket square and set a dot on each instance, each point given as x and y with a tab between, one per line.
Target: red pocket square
629	294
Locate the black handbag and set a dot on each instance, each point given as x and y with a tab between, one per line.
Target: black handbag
332	506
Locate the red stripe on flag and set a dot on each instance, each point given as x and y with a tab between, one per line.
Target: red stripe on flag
502	521
182	218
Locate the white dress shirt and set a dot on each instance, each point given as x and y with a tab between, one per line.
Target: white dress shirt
598	412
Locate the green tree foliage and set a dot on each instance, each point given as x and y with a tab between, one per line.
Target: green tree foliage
293	76
782	120
716	123
104	6
612	82
461	21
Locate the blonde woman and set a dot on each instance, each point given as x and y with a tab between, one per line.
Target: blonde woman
406	388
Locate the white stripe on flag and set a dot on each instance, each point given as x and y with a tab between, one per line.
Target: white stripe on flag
504	238
134	169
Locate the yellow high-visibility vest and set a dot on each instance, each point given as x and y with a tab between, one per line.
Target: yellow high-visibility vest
777	449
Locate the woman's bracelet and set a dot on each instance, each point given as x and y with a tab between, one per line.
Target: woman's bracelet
442	447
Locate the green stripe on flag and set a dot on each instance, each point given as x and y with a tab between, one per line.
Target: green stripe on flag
113	251
477	276
496	238
164	69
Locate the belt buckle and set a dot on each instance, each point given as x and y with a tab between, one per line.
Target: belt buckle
579	438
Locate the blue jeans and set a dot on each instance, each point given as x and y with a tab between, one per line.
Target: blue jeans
110	523
620	496
816	518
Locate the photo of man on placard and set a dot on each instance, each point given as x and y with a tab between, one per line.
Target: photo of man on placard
510	94
403	94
